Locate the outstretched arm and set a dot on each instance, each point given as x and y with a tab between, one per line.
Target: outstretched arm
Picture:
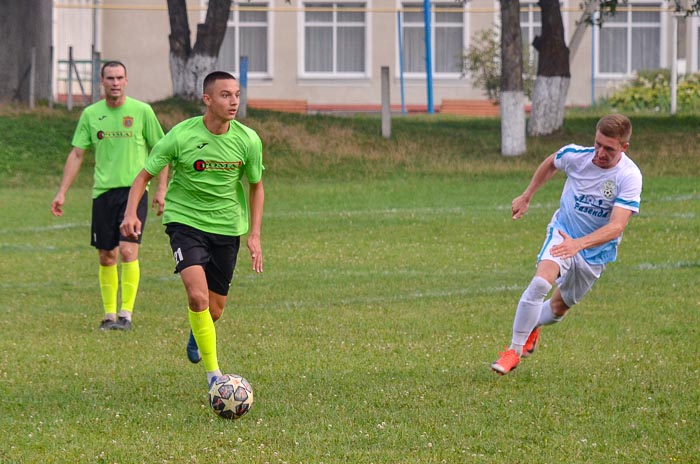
131	225
544	172
70	172
257	201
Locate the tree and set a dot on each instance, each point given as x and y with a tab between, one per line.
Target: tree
189	65
25	26
553	75
552	83
512	94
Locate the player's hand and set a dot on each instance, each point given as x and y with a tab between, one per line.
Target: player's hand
519	206
256	253
130	227
566	249
159	200
57	205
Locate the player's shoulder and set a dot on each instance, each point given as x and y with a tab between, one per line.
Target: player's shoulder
246	131
629	167
573	150
139	105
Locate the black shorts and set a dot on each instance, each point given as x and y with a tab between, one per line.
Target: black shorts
217	254
107	215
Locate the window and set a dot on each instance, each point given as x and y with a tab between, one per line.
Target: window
447	21
631	40
530	27
335	38
246	35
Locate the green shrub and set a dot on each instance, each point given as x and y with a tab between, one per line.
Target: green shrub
650	90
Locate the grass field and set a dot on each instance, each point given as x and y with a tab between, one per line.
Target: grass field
387	292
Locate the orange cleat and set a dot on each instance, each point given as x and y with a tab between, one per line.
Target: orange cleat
531	342
507	362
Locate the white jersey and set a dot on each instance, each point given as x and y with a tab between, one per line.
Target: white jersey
589	195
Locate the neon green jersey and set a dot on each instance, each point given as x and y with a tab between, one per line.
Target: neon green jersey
120	137
206	191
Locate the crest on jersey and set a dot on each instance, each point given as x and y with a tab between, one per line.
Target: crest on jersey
128	121
608	189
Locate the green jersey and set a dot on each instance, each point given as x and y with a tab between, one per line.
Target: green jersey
121	138
206	191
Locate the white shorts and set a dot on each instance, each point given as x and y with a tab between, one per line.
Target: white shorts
576	275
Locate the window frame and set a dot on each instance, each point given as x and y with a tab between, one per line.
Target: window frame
465	24
235	23
335	24
628	26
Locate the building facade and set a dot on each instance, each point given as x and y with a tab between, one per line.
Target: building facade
324	55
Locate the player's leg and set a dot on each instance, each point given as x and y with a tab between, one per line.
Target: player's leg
129	253
108	277
199	315
103	238
216	309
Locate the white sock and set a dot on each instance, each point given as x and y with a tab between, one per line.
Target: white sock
528	312
125	314
547	317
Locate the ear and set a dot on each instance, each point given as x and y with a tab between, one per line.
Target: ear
625	146
206	99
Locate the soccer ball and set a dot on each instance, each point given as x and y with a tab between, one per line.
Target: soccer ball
231	396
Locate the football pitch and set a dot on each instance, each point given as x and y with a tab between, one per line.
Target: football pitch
367	339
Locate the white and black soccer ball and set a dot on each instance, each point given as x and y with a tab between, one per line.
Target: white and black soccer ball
231	396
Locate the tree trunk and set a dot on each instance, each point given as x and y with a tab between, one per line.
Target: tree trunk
553	76
190	65
24	25
512	95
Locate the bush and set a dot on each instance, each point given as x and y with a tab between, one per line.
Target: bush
650	90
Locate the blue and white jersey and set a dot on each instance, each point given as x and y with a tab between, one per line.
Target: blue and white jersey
589	195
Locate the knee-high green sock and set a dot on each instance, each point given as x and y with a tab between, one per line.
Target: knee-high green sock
131	274
109	285
205	334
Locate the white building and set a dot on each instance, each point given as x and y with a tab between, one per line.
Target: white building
327	55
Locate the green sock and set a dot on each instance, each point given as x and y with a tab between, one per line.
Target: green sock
131	274
205	334
109	285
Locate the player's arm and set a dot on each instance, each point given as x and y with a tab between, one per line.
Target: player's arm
70	172
544	172
159	197
619	218
257	202
131	225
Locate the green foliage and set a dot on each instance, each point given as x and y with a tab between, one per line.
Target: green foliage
483	61
650	90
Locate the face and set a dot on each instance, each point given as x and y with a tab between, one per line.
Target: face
114	82
608	151
222	99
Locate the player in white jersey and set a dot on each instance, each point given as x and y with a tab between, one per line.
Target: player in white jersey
602	191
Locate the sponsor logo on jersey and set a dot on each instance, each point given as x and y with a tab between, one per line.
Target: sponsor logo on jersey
128	121
114	135
589	205
201	165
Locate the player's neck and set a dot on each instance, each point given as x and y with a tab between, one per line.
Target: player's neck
216	126
115	102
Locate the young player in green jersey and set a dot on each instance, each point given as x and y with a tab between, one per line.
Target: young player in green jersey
120	130
206	211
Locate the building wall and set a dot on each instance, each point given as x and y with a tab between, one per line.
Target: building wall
137	34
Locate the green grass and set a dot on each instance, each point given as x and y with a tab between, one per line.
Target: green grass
386	294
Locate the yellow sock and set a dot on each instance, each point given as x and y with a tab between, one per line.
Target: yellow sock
131	274
109	284
205	334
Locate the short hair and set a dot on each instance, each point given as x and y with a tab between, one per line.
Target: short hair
112	64
213	77
617	126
